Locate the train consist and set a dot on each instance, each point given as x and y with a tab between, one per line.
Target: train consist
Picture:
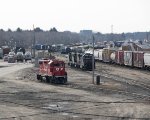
81	60
139	59
52	71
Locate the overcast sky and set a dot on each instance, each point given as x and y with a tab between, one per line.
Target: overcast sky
75	15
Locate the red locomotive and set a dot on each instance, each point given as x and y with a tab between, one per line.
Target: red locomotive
53	71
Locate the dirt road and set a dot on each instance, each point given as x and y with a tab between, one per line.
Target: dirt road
24	98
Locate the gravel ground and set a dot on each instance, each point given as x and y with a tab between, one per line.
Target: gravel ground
22	97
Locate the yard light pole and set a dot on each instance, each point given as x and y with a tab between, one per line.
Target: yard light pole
34	42
93	64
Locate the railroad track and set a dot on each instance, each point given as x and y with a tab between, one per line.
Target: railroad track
135	95
121	79
125	80
115	78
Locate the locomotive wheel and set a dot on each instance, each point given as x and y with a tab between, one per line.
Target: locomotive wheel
82	68
65	79
53	79
62	81
38	77
47	79
41	78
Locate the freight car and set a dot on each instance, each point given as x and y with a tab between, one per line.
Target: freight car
53	71
147	60
128	58
106	53
20	56
119	57
81	60
98	54
103	55
138	59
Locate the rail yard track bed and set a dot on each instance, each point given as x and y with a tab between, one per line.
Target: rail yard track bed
116	98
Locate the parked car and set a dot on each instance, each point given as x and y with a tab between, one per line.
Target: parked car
11	57
12	54
5	57
20	56
27	56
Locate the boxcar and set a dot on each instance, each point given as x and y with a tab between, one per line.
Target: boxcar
138	59
147	60
106	53
100	53
128	58
119	57
96	54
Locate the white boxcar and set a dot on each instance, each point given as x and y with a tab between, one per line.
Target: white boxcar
96	54
147	59
128	58
100	54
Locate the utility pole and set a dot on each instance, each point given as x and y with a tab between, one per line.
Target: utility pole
147	36
112	33
33	42
93	63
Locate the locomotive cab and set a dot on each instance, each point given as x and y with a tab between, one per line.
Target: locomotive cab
53	71
56	68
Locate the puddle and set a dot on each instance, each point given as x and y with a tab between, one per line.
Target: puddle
53	107
65	113
19	78
75	116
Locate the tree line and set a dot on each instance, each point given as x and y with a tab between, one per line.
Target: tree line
25	38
